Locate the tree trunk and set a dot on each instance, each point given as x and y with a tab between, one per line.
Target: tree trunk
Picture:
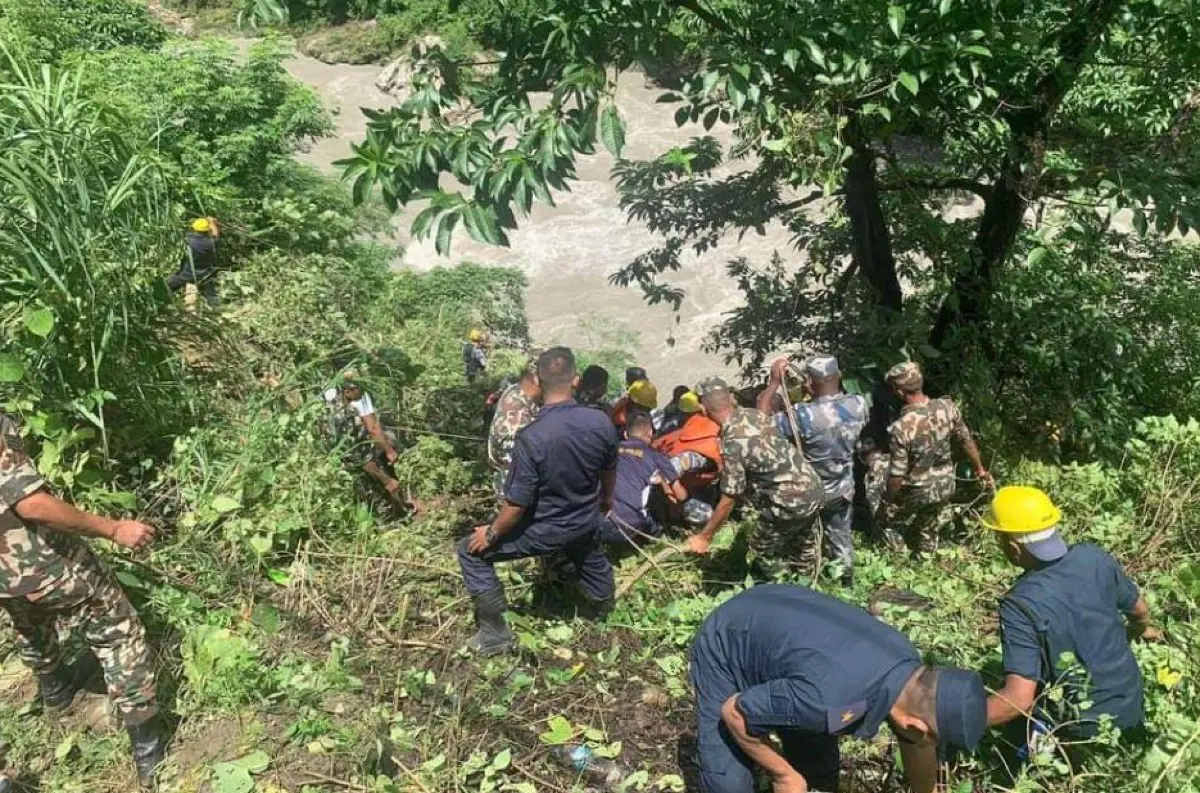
872	240
966	306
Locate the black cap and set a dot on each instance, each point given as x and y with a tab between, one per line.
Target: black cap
635	373
961	708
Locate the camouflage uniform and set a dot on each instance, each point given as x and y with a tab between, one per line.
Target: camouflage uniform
47	575
921	455
829	427
780	483
514	411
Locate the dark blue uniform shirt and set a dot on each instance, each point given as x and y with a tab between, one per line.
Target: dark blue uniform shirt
1078	602
636	467
556	466
804	661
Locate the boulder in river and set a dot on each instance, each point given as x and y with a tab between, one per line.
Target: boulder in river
397	75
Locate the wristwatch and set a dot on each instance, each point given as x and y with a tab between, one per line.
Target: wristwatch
490	536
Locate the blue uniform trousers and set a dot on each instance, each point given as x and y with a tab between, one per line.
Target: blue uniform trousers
582	548
725	768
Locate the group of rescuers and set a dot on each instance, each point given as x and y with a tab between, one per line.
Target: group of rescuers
574	474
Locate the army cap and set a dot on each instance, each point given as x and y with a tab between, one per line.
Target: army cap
905	375
821	367
711	385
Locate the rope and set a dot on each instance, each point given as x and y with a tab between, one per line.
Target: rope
475	438
818	524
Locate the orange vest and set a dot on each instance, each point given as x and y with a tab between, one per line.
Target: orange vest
698	434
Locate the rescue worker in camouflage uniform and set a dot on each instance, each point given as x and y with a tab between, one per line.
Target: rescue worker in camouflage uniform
353	416
47	572
761	464
516	408
828	428
921	467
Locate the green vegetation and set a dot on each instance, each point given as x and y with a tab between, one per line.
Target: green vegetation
863	128
308	636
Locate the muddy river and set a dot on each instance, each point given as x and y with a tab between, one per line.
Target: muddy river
568	252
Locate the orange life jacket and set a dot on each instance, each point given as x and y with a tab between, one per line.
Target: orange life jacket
698	434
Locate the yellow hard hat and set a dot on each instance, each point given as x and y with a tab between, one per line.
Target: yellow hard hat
476	335
644	393
201	226
1019	509
689	403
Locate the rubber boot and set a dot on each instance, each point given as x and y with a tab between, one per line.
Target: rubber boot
149	741
57	689
6	784
493	636
598	610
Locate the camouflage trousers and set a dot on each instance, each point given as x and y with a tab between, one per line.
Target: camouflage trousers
89	596
875	481
918	524
786	543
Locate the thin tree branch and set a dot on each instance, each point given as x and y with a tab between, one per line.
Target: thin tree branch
803	202
948	183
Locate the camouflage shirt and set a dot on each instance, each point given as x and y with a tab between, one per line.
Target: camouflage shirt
829	427
919	442
31	557
514	411
760	463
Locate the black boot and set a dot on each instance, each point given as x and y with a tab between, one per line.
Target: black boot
493	636
149	741
57	689
598	610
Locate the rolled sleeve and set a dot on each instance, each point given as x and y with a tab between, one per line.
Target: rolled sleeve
364	406
1021	643
786	703
899	451
959	424
733	478
18	475
666	469
1127	591
521	485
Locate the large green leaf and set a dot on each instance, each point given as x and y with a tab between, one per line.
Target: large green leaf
39	321
11	369
612	130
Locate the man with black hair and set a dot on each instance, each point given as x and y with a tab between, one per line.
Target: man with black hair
640	471
593	385
515	409
669	417
373	448
560	481
809	668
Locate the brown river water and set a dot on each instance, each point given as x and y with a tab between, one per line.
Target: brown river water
567	252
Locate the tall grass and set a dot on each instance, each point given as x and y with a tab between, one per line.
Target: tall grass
86	235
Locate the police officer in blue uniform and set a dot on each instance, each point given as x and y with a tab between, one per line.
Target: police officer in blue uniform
808	667
559	483
1071	599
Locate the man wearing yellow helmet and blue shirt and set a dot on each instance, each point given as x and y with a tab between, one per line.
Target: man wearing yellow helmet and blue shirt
199	263
1071	599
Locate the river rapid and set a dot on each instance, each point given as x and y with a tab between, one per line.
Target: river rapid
567	252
